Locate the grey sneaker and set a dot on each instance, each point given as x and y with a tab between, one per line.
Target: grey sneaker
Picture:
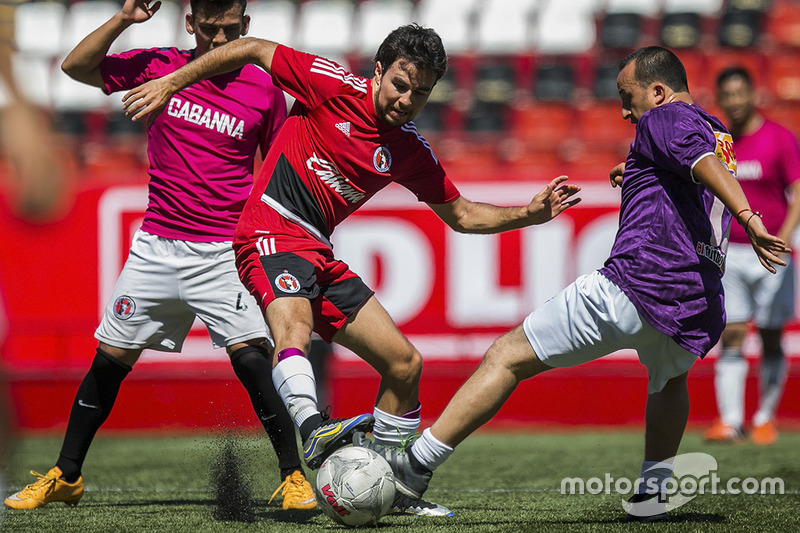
403	505
331	435
646	508
407	480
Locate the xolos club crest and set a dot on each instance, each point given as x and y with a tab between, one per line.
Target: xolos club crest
382	159
287	283
124	307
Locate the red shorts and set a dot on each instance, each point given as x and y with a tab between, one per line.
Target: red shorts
283	260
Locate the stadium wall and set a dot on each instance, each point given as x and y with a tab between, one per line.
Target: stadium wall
451	294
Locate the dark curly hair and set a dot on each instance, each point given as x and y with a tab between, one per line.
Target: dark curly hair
420	46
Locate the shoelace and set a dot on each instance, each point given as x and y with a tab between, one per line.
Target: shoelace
40	483
293	484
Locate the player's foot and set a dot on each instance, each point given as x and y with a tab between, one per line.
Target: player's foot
297	492
331	435
765	434
646	508
47	489
720	432
403	505
410	477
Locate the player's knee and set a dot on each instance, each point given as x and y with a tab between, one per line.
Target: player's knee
406	369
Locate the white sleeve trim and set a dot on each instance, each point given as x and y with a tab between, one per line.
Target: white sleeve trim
691	170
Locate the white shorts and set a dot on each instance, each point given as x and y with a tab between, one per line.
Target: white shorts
591	318
165	284
752	292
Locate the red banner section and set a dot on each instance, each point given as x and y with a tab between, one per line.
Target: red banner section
451	294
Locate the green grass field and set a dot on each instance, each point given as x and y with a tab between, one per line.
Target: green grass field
496	482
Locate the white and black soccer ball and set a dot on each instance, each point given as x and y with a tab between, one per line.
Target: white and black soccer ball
355	486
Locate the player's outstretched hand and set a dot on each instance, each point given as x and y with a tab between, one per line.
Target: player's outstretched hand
137	11
553	200
615	176
147	99
768	248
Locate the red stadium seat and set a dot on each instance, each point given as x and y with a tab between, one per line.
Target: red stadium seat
783	23
783	75
544	124
602	124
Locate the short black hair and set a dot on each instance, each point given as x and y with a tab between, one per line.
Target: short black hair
734	72
212	7
654	63
420	46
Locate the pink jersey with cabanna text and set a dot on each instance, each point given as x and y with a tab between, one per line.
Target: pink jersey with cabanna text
768	163
333	153
201	146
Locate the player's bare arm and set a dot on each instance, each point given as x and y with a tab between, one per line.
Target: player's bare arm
83	62
719	181
152	96
466	216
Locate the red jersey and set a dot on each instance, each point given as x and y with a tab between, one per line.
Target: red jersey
334	153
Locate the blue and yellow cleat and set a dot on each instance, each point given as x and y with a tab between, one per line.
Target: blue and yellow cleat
331	435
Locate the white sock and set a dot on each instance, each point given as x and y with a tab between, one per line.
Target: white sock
654	476
730	374
430	451
772	378
393	430
294	380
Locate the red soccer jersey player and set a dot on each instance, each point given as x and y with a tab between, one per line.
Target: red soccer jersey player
348	138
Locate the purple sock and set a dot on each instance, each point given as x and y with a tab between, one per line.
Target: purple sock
288	352
413	414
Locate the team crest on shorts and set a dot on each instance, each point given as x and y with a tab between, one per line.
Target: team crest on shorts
124	307
382	159
287	283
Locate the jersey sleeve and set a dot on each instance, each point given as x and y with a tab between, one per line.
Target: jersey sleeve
675	140
312	79
130	69
274	119
430	183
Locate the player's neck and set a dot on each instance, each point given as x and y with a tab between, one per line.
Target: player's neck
749	125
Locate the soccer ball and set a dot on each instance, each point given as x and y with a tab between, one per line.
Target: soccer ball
355	486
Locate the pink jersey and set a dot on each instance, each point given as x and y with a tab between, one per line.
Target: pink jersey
768	161
201	146
334	153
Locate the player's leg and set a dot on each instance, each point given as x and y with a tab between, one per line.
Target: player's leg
774	307
730	369
252	363
90	408
372	335
730	376
772	379
291	323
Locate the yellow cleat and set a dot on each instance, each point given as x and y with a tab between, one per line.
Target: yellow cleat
47	489
297	492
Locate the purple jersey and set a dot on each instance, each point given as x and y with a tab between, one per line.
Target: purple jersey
669	253
201	146
768	162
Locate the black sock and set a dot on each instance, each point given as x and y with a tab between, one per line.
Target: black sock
310	424
253	367
91	407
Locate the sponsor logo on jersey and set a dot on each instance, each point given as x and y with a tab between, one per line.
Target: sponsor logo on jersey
382	159
213	120
344	127
724	151
330	176
124	307
749	170
712	253
287	283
